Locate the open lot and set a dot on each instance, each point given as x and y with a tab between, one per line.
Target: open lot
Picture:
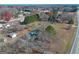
66	36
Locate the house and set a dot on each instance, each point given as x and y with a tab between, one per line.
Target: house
26	11
1	26
43	16
21	17
46	11
11	35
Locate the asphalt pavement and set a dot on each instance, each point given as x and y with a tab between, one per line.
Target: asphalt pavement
75	46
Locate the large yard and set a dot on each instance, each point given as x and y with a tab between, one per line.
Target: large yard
65	37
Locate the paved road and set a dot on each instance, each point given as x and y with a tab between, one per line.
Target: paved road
75	47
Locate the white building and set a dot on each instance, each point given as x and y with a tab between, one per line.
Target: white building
12	35
21	17
1	25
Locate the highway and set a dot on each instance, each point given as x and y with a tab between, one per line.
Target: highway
75	46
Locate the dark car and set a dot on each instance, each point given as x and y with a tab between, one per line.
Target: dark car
34	32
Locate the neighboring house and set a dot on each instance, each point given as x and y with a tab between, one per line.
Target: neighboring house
64	17
60	12
43	16
58	20
46	11
35	12
5	26
1	26
26	11
21	17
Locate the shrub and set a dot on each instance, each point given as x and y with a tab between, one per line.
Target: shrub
70	21
51	30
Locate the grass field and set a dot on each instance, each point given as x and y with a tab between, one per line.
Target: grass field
67	36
